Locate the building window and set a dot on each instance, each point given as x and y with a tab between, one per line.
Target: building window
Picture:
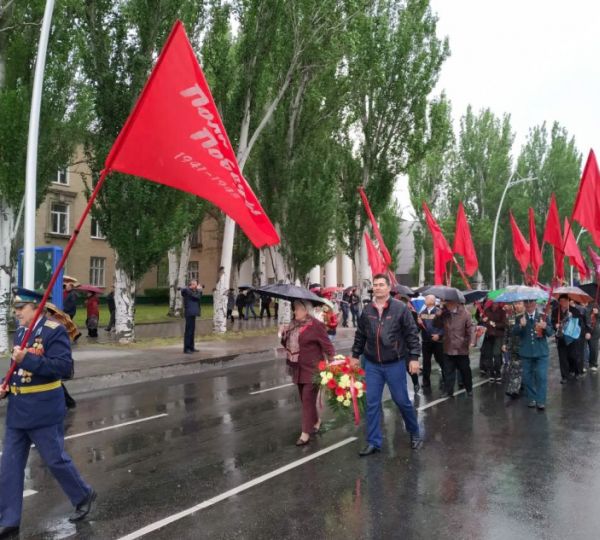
192	271
195	239
62	177
59	218
96	232
97	266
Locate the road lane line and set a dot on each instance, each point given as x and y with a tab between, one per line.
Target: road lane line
131	422
269	389
243	487
29	492
446	398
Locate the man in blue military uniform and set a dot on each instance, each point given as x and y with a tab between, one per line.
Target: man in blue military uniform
533	351
35	415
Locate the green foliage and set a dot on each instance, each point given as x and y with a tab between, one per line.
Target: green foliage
389	225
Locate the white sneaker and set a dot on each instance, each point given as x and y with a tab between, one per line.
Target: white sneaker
594	369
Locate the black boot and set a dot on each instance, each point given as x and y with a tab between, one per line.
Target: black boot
83	508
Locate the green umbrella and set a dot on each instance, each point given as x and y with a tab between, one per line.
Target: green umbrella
494	294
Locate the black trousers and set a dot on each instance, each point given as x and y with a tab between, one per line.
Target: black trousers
230	314
491	355
459	362
593	345
435	349
570	358
188	336
263	310
111	322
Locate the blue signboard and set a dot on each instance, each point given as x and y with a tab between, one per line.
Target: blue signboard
46	261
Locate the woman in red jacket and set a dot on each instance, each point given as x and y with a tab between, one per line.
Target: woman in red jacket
92	305
306	343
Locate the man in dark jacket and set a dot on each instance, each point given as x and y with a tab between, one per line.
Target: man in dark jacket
432	340
70	300
494	320
191	307
388	337
593	335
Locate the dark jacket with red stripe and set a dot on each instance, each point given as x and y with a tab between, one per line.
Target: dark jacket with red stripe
393	336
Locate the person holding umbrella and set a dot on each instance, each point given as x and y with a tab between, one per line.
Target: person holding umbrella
388	337
570	348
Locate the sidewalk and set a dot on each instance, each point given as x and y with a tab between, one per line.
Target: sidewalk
99	367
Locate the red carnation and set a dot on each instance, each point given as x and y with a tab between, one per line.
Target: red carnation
322	365
331	383
346	369
361	372
339	391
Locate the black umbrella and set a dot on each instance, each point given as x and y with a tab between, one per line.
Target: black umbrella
403	290
421	290
447	294
286	291
474	296
244	287
590	288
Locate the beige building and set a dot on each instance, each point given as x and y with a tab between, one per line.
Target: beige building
92	260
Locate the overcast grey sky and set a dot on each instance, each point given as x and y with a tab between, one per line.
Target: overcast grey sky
537	60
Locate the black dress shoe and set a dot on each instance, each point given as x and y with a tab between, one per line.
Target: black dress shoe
83	508
368	450
8	532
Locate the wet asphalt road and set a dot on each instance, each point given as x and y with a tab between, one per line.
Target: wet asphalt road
489	469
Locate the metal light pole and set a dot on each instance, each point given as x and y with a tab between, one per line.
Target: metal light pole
32	149
511	182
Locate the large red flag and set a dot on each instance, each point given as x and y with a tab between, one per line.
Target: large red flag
559	264
382	247
174	136
521	248
595	260
376	261
535	255
442	254
463	242
552	232
587	203
573	253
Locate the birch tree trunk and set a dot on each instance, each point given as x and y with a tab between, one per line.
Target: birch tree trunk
124	306
6	238
422	268
173	259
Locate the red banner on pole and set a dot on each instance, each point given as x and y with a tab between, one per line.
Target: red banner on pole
442	254
573	253
586	210
387	258
174	136
463	242
521	247
376	261
535	254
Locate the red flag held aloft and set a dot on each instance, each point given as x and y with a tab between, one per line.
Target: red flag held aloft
376	261
387	258
442	254
521	248
552	232
595	260
463	242
174	136
586	210
535	255
573	253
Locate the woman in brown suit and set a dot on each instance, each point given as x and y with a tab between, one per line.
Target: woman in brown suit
306	343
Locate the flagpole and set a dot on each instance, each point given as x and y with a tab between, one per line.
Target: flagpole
104	173
32	150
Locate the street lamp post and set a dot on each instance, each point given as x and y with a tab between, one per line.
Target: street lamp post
512	181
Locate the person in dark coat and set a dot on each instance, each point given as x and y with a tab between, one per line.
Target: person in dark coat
230	303
110	302
35	415
70	300
306	343
250	299
191	306
354	306
494	320
593	325
240	302
570	353
388	337
265	306
431	341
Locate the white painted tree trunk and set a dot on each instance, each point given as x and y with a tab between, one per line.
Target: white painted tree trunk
365	275
331	273
422	268
220	305
6	238
178	258
347	277
124	306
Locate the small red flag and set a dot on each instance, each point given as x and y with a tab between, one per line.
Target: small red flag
521	248
559	263
442	254
387	258
586	210
463	242
174	136
535	255
595	260
552	232
573	253
376	261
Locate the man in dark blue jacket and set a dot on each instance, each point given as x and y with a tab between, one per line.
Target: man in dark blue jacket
432	341
35	415
191	307
388	337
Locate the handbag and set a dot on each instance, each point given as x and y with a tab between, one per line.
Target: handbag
571	330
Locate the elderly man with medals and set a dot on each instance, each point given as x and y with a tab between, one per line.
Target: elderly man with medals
533	332
35	415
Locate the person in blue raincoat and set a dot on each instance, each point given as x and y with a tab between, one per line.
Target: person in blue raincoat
35	415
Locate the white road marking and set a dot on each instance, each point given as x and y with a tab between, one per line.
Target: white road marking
269	389
432	403
243	487
131	422
29	492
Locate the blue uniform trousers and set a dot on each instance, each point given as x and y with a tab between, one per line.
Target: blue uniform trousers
535	378
49	441
394	374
